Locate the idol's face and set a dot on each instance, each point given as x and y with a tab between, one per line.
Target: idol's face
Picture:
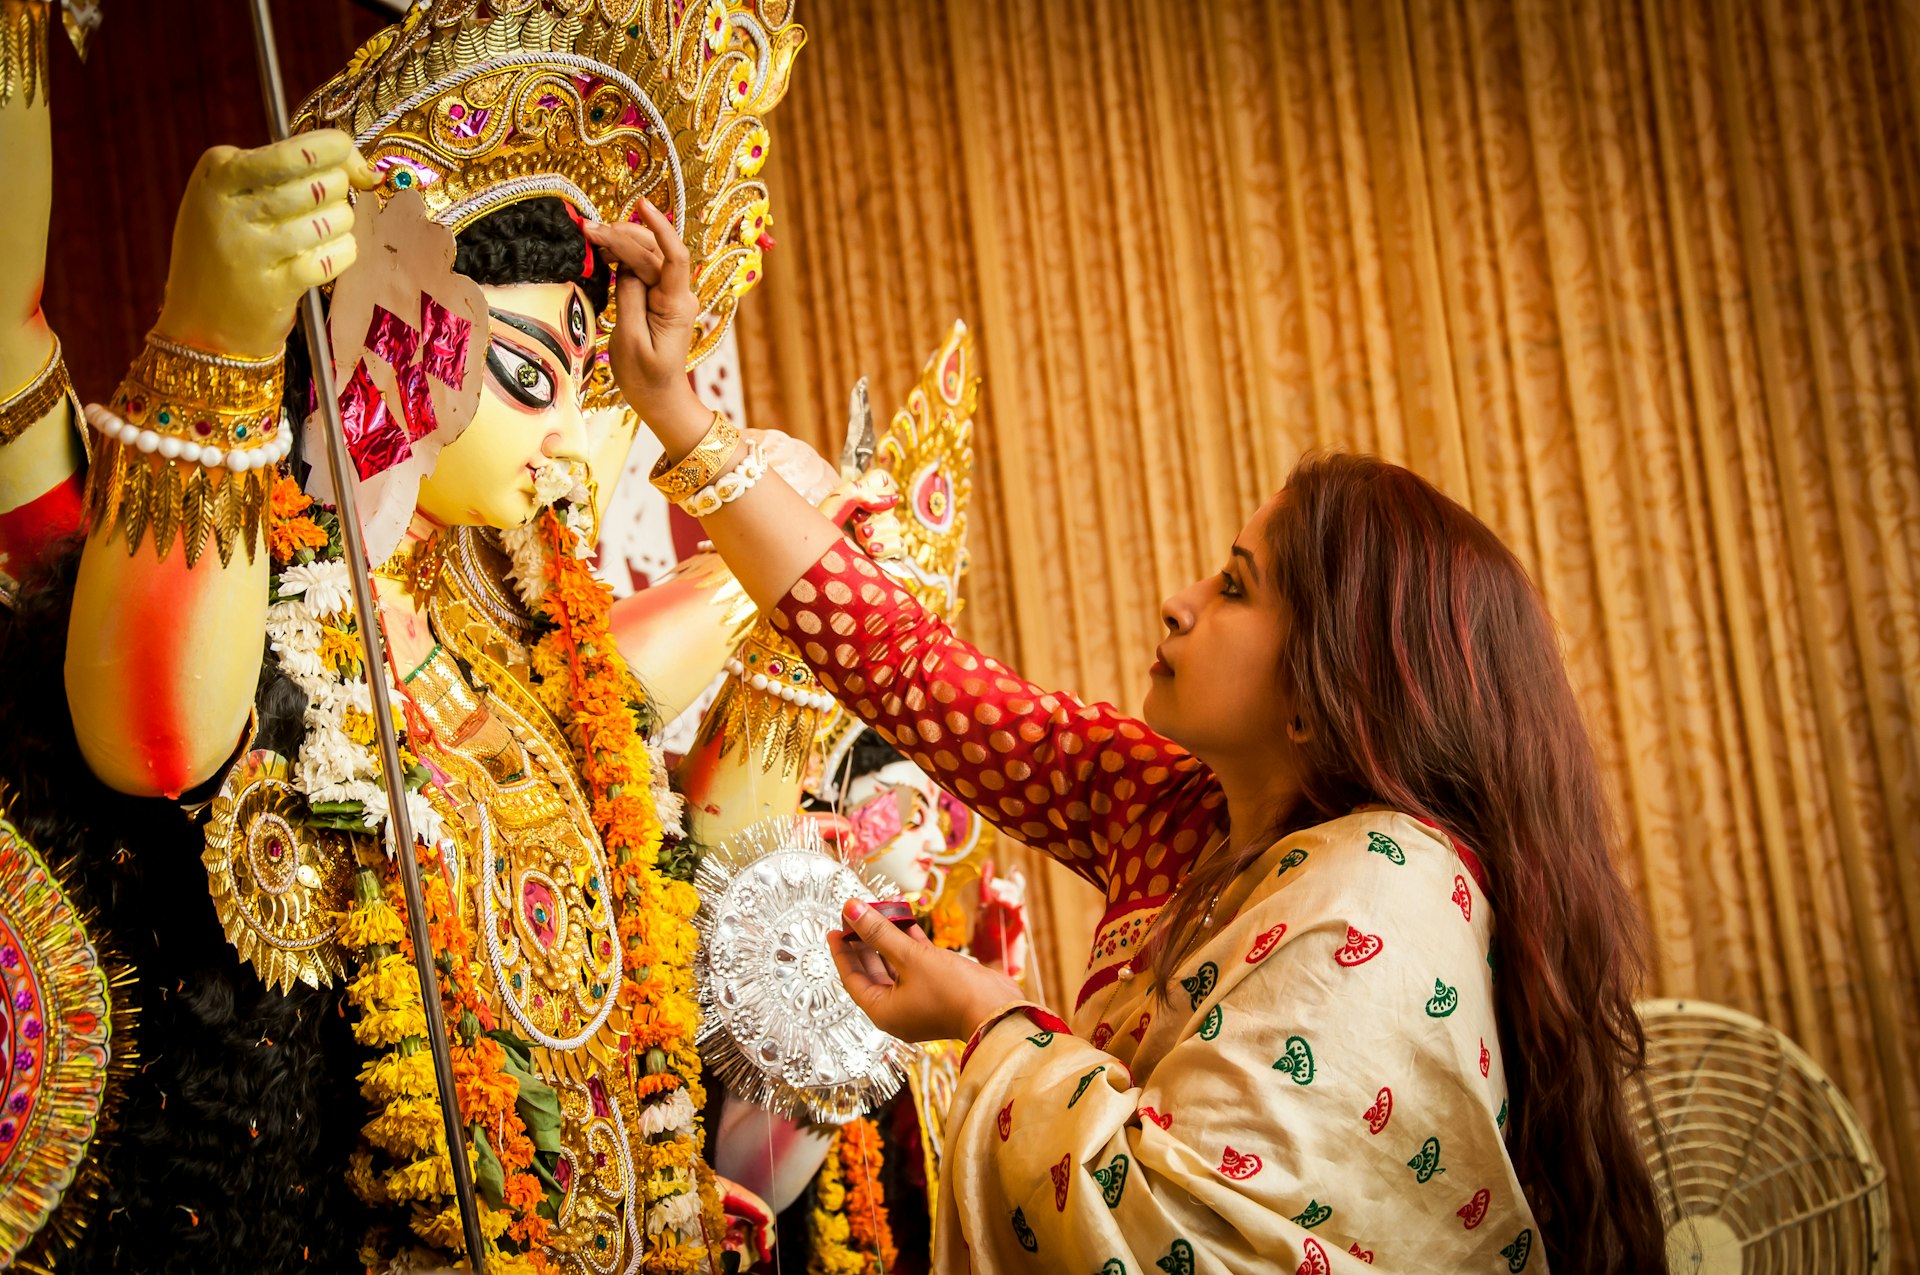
906	857
539	347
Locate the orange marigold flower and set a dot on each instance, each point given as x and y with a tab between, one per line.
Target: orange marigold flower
289	530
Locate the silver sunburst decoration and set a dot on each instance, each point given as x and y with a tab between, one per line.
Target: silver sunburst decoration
778	1028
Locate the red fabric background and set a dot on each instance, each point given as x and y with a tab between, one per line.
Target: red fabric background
164	80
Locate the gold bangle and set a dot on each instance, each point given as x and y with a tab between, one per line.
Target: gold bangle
216	400
48	386
701	465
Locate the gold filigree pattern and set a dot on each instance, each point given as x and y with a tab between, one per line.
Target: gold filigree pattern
600	1213
278	885
544	919
23	50
479	103
778	732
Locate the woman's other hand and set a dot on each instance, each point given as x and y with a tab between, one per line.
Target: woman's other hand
910	988
256	229
654	332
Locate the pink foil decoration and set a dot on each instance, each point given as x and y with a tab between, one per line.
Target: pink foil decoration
376	441
446	336
415	401
391	339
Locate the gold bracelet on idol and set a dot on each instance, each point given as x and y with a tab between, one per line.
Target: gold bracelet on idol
36	398
192	441
700	466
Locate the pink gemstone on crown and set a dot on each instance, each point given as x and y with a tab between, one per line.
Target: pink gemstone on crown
456	110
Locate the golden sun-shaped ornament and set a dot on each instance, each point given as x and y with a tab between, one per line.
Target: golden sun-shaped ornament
280	887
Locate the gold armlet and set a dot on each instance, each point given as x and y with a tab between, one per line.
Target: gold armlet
190	445
772	702
38	397
23	49
23	42
701	465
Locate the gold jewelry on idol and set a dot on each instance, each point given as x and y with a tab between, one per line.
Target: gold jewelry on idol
700	466
416	564
772	702
36	398
191	443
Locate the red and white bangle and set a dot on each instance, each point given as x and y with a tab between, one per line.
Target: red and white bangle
173	447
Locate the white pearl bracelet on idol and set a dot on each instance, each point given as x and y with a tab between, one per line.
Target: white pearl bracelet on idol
779	690
730	486
170	447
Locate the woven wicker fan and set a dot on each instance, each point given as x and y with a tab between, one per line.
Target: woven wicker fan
1759	1162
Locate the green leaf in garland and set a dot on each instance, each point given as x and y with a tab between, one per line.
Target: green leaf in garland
489	1178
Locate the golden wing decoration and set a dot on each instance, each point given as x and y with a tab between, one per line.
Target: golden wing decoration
927	451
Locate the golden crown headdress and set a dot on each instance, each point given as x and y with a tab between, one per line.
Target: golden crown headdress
482	103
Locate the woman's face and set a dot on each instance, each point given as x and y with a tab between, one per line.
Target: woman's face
540	342
1216	688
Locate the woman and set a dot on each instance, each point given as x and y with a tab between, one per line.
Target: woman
1361	994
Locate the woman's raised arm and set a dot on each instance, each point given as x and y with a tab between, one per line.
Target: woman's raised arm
1068	778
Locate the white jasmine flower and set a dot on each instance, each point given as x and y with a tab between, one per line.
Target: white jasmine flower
323	586
677	1212
672	1114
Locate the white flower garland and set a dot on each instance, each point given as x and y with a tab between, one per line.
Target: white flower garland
672	1114
331	766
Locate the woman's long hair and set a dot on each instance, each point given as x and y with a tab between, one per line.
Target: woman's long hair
1428	678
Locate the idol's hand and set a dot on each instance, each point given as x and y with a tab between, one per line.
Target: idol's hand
910	988
657	308
256	229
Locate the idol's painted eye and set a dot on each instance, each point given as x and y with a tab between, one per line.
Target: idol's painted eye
577	320
522	377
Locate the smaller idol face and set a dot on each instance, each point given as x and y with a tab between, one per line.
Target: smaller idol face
895	814
539	347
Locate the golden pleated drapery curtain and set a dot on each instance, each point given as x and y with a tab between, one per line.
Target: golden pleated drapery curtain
1634	281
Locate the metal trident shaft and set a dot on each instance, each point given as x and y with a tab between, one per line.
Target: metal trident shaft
313	318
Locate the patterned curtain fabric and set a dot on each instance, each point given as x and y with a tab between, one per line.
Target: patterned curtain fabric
1634	281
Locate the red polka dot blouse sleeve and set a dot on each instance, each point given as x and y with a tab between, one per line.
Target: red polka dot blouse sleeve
1083	782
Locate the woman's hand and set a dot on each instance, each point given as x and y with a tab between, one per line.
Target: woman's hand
255	230
654	332
910	988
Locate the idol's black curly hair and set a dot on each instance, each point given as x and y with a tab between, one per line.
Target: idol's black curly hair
233	1134
533	241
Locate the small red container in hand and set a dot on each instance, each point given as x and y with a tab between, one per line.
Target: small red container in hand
896	912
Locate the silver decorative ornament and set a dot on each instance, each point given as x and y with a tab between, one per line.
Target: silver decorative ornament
778	1028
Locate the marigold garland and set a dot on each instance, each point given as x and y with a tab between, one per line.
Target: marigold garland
405	1158
579	654
851	1233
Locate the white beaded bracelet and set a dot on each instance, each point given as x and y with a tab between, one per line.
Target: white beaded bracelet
171	447
730	486
780	690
